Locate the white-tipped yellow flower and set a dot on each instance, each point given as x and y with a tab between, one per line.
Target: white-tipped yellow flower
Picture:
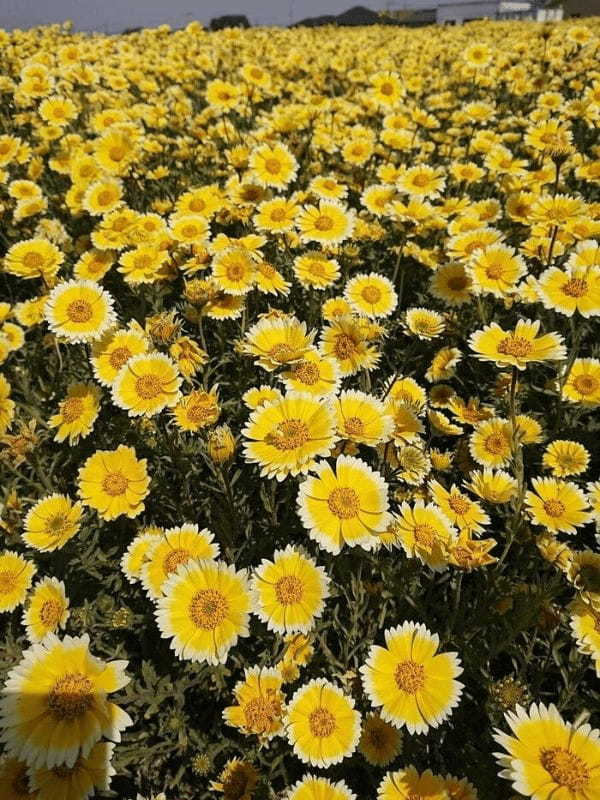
79	311
47	609
147	384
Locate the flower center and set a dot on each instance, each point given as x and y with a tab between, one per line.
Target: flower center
197	205
371	294
235	272
289	435
143	261
173	559
33	260
201	411
71	696
282	352
554	508
387	89
458	282
354	426
119	357
189	231
515	346
80	311
409	676
458	504
114	484
420	180
50	613
273	166
307	372
321	722
496	444
317	268
494	271
585	384
208	609
148	386
289	590
72	409
105	198
278	214
344	346
8	582
576	287
344	503
424	535
323	223
261	712
56	525
565	768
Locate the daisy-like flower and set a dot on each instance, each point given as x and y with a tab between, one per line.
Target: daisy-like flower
114	482
315	271
273	165
422	181
276	216
197	410
322	724
494	486
547	757
234	270
51	522
47	609
80	780
413	684
146	384
142	264
237	781
452	284
191	229
490	444
518	347
460	788
34	258
372	295
79	311
363	418
329	223
387	89
564	457
77	413
170	549
260	703
407	426
286	436
14	780
260	395
204	610
137	553
7	406
278	341
443	364
289	591
345	506
103	196
585	627
311	787
496	270
407	391
54	705
408	783
460	510
583	382
559	506
113	351
380	741
570	290
344	339
424	323
16	574
593	489
314	374
425	533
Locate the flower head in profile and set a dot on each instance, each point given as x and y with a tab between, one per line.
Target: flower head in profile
425	533
519	347
16	574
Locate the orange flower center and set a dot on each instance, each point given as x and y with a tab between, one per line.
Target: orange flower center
197	205
80	311
323	223
554	508
317	268
208	609
115	484
515	346
458	504
8	582
409	676
496	444
119	356
117	153
33	260
458	282
321	722
289	435
307	372
71	696
261	712
273	166
575	287
173	559
420	180
354	426
278	214
289	590
148	386
371	294
494	271
424	535
236	271
344	502
585	384
344	346
71	409
387	89
50	613
566	768
282	352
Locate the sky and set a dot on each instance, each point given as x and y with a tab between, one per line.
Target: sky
113	16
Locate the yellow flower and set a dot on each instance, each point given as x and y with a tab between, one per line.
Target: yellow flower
137	553
80	780
51	522
372	295
102	196
238	780
312	788
585	627
286	436
94	264
413	684
191	229
460	510
583	382
34	258
571	290
443	364
77	413
47	610
594	499
452	284
345	339
79	310
14	780
114	350
7	406
496	270
146	384
314	374
234	271
196	411
315	271
422	181
322	724
518	347
55	706
564	457
204	610
260	703
460	788
490	444
387	88
495	486
408	783
423	323
559	506
380	742
425	533
328	223
171	548
142	264
289	592
279	341
276	216
547	757
114	482
16	574
273	165
260	396
345	506
363	418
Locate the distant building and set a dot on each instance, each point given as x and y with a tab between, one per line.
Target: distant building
455	12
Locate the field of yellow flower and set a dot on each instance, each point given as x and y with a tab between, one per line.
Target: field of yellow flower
299	392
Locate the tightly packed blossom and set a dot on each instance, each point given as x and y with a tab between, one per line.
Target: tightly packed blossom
299	395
